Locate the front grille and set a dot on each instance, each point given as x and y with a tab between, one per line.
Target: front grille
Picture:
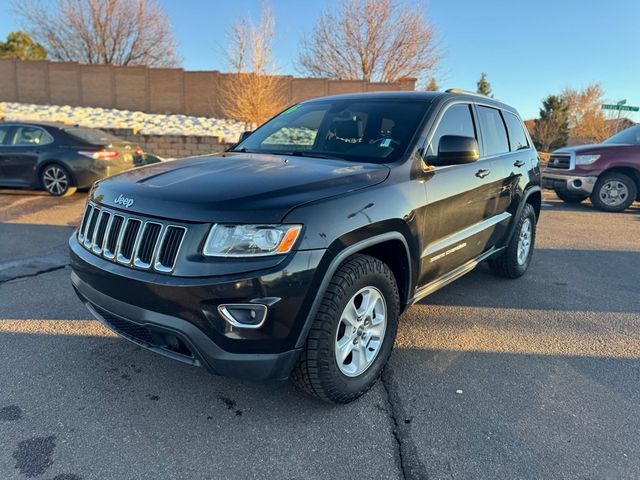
131	240
560	161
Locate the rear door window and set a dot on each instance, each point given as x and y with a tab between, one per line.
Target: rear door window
517	137
494	133
27	135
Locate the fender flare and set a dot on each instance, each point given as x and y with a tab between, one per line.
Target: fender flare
527	193
335	264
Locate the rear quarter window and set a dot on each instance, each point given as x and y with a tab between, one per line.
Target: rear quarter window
27	135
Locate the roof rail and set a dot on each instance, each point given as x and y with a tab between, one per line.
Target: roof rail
466	92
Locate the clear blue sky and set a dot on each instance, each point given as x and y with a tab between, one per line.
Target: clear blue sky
529	49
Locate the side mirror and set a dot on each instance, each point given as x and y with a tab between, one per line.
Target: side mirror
245	135
456	150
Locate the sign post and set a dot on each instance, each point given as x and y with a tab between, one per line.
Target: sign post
620	107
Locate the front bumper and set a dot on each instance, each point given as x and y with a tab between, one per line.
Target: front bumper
570	184
178	316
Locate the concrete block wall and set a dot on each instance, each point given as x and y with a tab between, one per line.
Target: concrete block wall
151	90
171	146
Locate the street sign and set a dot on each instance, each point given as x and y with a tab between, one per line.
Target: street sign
624	108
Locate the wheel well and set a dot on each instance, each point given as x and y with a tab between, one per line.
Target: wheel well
60	164
535	199
394	254
629	172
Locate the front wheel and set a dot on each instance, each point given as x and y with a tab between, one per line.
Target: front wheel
353	333
515	259
56	181
614	192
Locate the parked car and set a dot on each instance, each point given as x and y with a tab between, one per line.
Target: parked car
608	173
294	253
60	158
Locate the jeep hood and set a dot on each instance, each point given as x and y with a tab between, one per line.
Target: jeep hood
233	187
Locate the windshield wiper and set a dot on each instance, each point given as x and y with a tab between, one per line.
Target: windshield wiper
308	154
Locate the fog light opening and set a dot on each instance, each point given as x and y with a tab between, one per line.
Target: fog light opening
243	315
577	183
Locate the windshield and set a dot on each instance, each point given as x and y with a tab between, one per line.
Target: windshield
93	136
630	136
374	131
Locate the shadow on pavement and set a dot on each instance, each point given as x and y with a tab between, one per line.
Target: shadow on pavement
558	279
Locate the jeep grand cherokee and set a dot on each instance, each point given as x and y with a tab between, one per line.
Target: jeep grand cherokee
295	252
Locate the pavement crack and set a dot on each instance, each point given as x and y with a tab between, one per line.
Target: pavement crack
33	274
411	468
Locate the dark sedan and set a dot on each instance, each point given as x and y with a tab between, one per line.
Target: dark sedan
61	158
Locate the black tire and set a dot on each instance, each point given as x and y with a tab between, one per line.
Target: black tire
507	264
57	181
599	196
317	371
569	198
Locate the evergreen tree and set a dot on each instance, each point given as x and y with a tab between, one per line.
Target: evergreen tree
484	87
551	130
20	45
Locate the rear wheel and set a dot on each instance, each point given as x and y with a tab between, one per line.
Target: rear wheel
515	259
56	180
353	333
614	192
570	198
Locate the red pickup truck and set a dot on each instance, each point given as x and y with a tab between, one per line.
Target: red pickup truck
608	173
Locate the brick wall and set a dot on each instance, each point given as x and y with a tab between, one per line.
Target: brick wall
151	90
171	146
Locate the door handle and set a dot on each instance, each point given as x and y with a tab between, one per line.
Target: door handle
482	173
518	163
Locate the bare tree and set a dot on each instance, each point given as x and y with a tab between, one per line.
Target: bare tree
587	121
117	32
432	85
372	40
252	93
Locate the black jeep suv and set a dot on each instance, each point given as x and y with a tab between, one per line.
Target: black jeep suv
295	252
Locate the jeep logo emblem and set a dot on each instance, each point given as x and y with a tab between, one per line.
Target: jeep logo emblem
124	201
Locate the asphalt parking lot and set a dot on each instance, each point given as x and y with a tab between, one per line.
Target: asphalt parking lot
533	378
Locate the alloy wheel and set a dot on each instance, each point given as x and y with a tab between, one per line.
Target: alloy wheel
524	241
55	180
361	331
614	193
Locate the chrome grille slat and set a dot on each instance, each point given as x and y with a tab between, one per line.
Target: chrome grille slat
131	240
100	230
110	254
107	232
163	262
91	225
83	222
148	245
129	237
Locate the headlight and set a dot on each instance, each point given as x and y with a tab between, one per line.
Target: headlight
250	240
586	159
